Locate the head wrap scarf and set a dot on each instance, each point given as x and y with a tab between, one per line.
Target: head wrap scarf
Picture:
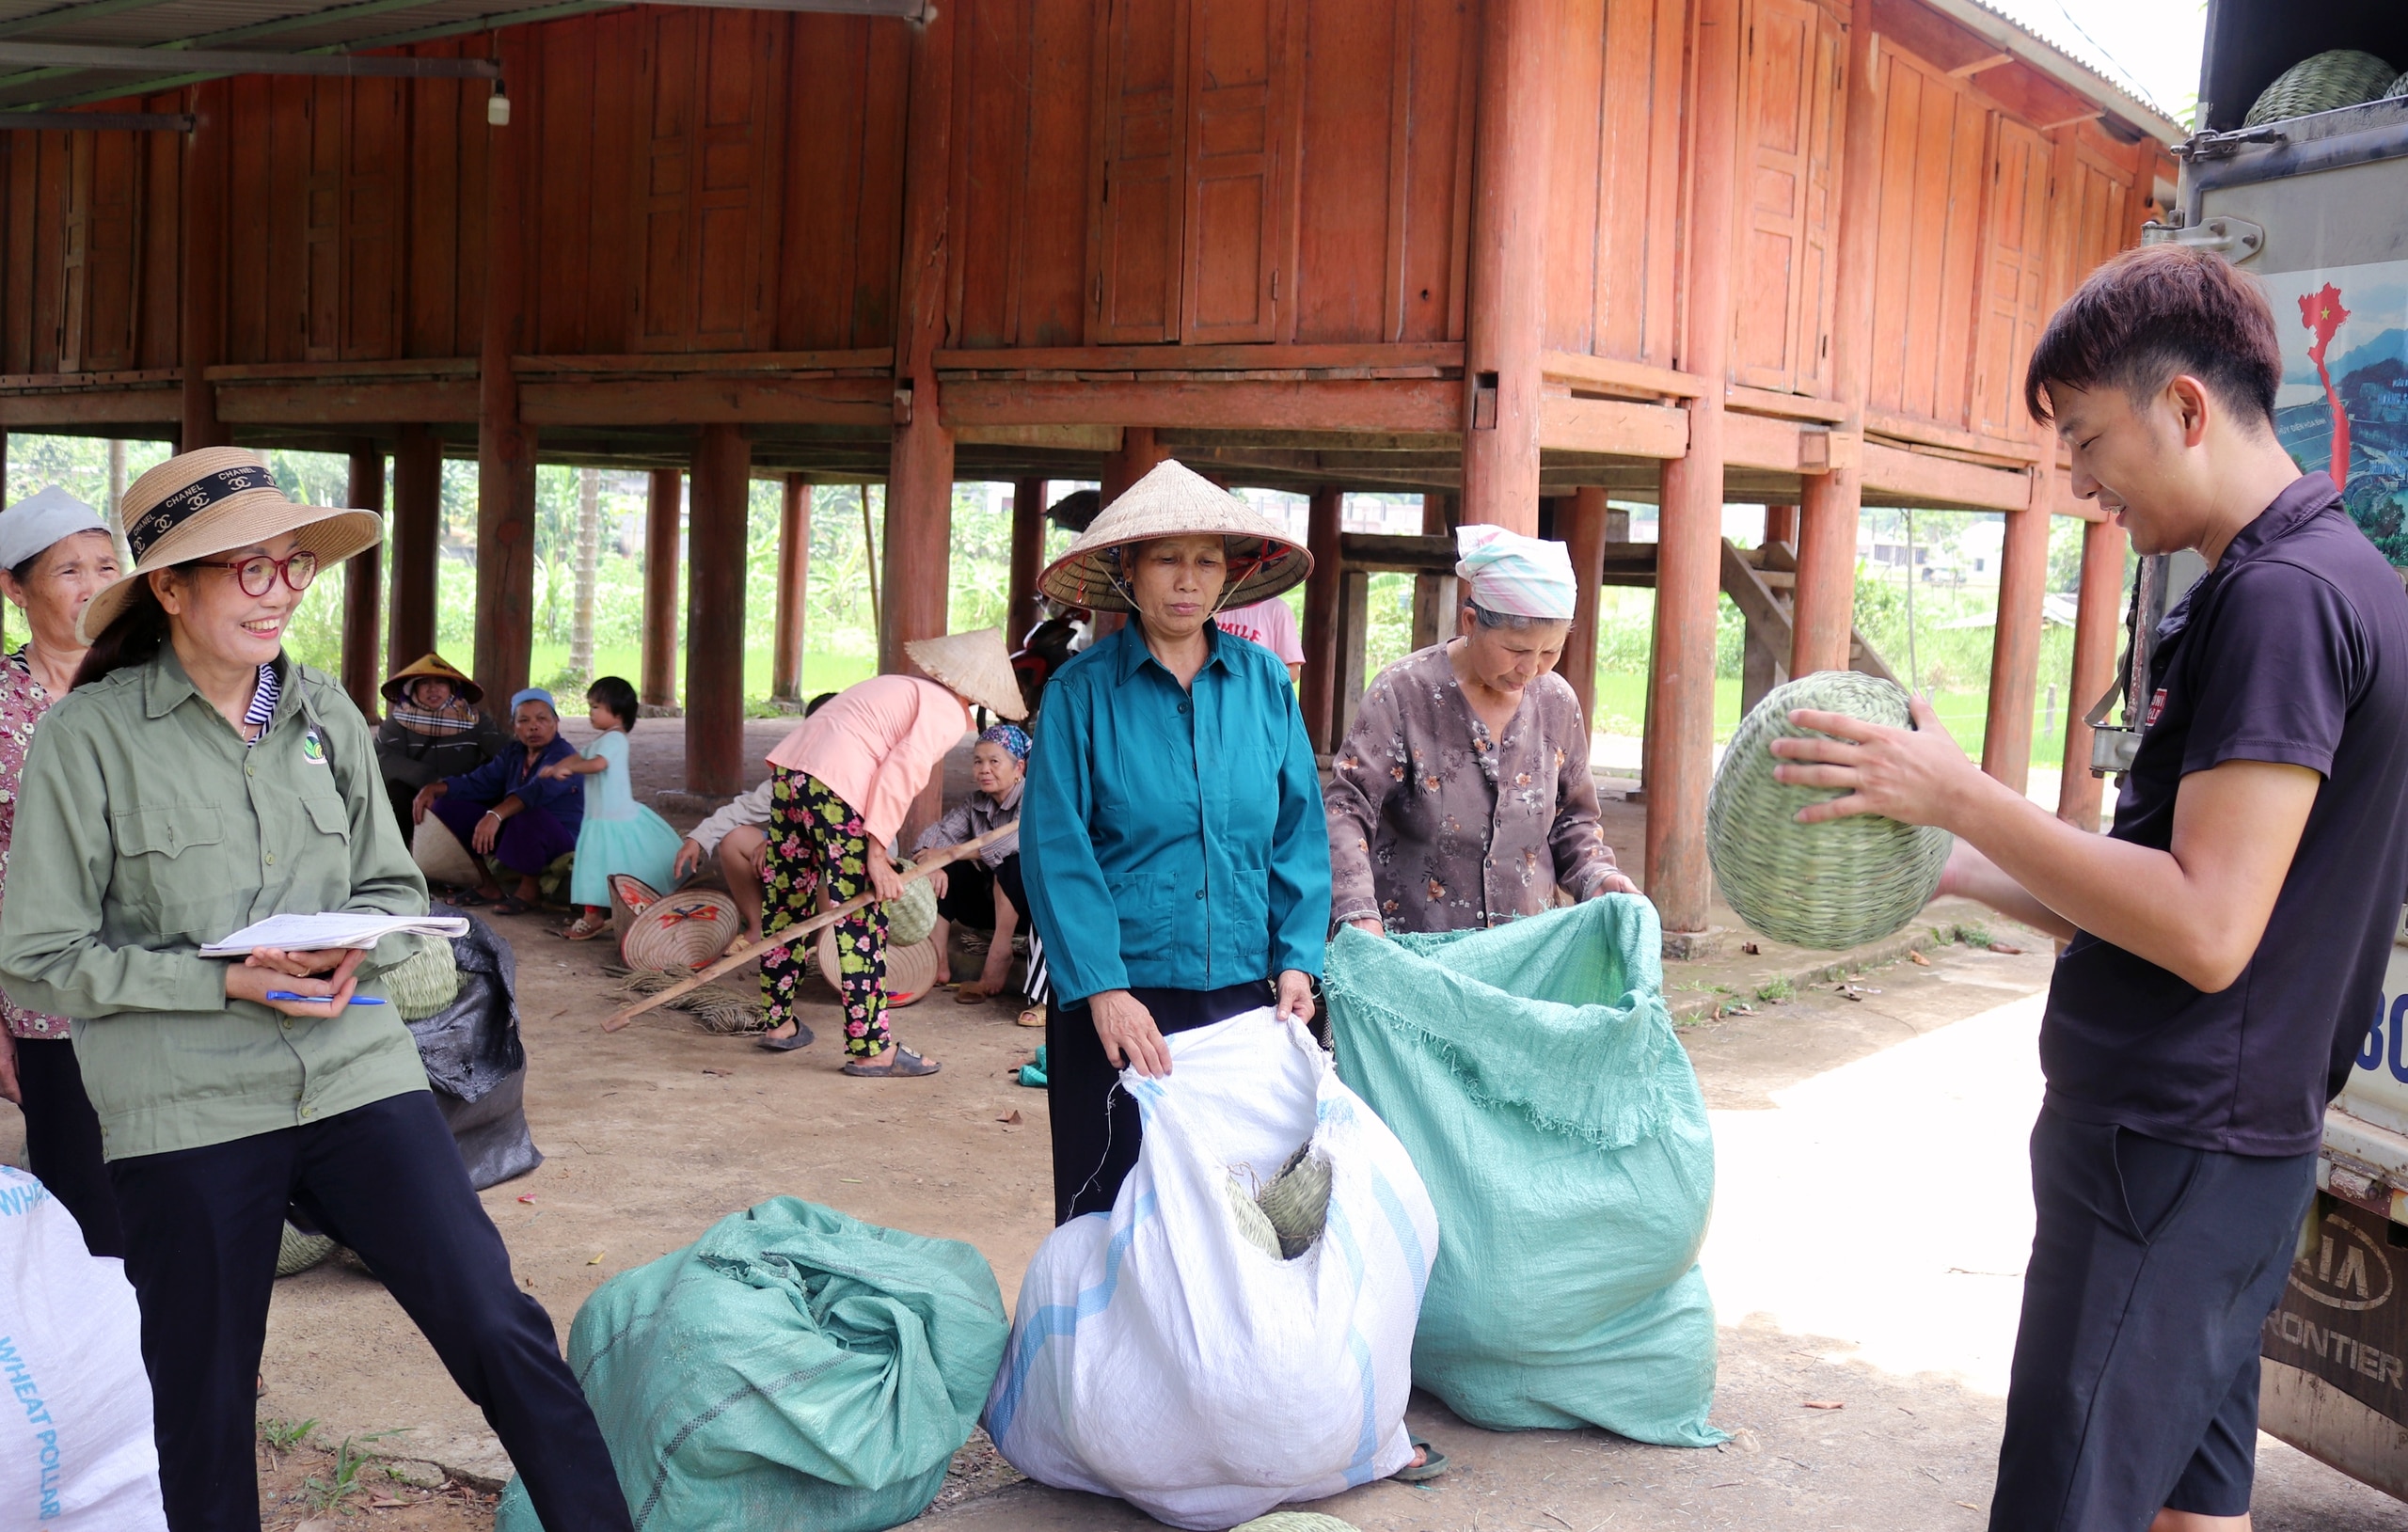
1011	737
1513	575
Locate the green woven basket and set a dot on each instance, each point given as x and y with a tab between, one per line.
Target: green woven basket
1827	886
425	982
2326	83
2397	87
911	914
1297	1521
298	1251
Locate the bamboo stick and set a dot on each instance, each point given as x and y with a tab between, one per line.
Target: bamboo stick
922	866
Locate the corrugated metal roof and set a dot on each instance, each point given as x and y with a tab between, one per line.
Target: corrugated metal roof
2086	70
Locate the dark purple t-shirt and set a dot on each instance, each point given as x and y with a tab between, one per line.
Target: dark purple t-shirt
2293	649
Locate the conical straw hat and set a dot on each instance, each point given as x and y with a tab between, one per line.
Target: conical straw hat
438	667
976	665
212	500
1175	500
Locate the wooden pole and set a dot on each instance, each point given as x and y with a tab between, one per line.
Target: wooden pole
505	444
714	613
794	585
663	513
1508	266
363	585
1780	526
1824	606
1319	692
201	316
1689	558
2098	630
1028	559
418	531
1434	594
1139	457
2015	644
588	560
922	865
1581	521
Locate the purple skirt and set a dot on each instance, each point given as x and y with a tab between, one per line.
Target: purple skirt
531	840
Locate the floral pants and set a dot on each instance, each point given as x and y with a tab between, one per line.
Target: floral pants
816	843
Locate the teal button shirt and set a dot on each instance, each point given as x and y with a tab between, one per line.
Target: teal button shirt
1171	839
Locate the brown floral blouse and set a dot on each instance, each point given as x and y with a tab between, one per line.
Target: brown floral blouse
22	701
1435	827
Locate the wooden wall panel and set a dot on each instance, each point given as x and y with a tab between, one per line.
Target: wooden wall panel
374	180
24	161
1137	232
570	170
1613	244
1238	221
1789	107
2014	255
157	315
1935	140
835	264
50	239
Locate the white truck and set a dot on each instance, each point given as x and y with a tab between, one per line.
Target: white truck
2315	204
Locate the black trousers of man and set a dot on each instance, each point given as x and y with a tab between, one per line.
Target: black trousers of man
63	1140
202	1226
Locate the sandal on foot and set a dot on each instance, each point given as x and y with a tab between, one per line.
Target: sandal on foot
1033	1016
584	928
1434	1463
471	899
901	1064
801	1038
512	905
972	994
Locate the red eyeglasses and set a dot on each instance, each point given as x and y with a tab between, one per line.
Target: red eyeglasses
258	574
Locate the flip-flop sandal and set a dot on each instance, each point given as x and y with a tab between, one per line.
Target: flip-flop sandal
969	994
904	1064
801	1038
1033	1016
1434	1463
513	904
471	899
584	930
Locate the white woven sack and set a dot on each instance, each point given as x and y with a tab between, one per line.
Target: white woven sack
1158	1356
76	1453
440	856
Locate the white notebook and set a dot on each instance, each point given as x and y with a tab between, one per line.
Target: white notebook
333	929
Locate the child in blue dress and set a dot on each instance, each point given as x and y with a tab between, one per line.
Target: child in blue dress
619	834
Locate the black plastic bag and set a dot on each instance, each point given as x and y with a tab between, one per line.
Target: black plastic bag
475	1061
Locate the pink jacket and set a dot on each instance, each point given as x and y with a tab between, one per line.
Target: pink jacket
876	745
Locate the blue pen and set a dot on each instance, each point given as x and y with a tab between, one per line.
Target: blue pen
322	1000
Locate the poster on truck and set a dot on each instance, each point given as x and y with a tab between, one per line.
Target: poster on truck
2343	405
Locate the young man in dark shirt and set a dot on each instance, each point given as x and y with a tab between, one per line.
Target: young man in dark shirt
2228	937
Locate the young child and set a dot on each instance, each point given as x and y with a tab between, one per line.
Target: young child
619	834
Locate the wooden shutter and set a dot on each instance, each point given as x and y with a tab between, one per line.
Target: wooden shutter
2015	259
1236	56
109	263
1791	82
1135	284
664	302
706	197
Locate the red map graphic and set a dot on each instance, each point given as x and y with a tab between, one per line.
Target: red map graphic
2321	312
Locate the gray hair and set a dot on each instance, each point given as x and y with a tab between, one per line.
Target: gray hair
1511	622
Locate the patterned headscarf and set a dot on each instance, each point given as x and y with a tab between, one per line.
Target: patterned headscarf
1011	737
1516	575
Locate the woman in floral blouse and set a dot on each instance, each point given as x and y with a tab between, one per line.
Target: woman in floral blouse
54	554
1461	799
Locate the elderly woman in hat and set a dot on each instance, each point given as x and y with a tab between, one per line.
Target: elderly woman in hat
432	730
839	787
1171	842
508	811
54	554
195	781
1461	799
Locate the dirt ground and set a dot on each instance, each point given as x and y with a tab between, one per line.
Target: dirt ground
1866	1253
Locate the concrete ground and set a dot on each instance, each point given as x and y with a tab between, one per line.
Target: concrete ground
1870	1230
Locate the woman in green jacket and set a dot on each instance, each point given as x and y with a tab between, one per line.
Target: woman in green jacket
194	782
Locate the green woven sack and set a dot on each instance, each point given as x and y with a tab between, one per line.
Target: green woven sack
298	1251
1832	885
793	1367
424	982
911	915
2325	82
1532	1073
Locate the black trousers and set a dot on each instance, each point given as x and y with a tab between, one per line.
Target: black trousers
202	1227
2135	1386
63	1140
1096	1126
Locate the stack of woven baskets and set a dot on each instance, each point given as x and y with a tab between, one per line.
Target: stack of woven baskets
2326	83
1827	886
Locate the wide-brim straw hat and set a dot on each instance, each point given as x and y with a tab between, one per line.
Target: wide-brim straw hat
1175	500
680	932
214	500
976	665
397	686
910	972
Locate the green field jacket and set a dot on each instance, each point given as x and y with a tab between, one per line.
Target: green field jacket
145	829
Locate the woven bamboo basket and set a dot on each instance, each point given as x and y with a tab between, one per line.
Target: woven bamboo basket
1827	886
911	914
2325	82
298	1251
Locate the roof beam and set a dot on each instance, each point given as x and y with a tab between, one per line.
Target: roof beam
97	122
42	20
141	60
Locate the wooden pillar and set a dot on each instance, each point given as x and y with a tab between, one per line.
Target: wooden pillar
200	314
505	444
1354	643
1433	596
418	532
1506	301
1780	526
714	613
663	517
2097	630
1688	555
1582	522
1028	559
1319	692
794	586
2015	644
1139	457
362	584
1824	606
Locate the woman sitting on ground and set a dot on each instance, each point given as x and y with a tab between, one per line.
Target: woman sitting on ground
432	731
508	810
985	893
1461	799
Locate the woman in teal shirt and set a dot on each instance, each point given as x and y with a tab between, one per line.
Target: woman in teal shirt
1170	830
